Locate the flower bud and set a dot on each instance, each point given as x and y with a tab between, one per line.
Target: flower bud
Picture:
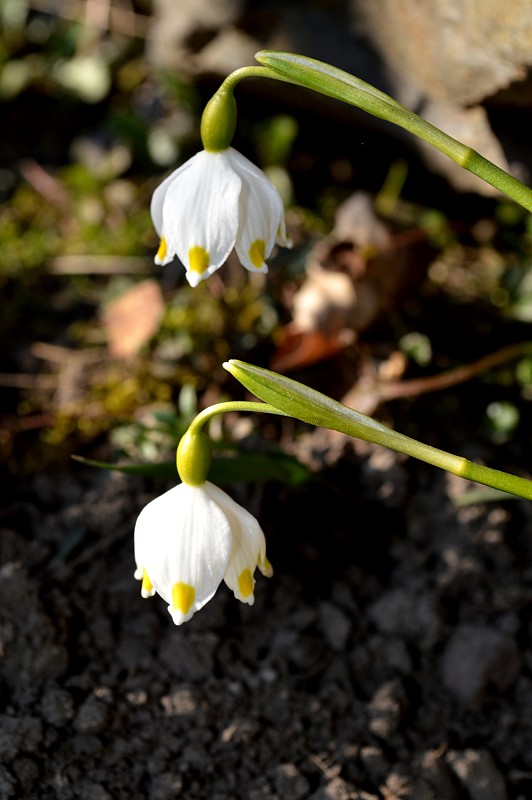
193	458
218	122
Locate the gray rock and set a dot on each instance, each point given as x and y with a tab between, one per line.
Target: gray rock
478	773
403	613
385	709
448	49
437	774
7	783
290	783
335	624
88	790
476	658
57	706
455	55
26	771
18	733
375	763
91	717
189	657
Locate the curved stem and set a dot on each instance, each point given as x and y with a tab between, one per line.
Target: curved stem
207	414
232	80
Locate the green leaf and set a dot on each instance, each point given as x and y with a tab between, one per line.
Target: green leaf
242	467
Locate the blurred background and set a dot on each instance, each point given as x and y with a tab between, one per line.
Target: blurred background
402	266
390	656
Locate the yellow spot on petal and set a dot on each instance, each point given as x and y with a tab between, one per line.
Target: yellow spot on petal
256	253
161	252
182	597
198	259
147	585
245	583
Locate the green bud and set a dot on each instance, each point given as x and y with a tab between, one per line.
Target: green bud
218	122
193	458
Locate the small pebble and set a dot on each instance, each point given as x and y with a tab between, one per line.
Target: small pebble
290	783
404	613
57	706
478	657
385	709
478	773
336	625
91	716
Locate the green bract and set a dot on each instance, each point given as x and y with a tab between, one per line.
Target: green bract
328	80
297	400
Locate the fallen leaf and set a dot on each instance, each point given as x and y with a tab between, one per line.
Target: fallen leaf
131	319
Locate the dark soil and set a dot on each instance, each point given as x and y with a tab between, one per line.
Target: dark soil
389	656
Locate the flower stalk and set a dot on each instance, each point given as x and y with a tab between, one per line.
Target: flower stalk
297	400
333	82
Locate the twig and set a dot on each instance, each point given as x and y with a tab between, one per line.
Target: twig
452	377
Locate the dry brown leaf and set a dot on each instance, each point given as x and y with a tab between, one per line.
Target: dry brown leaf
131	319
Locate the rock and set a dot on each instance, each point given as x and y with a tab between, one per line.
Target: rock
165	786
335	624
385	709
88	790
476	658
7	784
414	616
448	49
91	717
375	763
23	619
478	773
27	773
57	706
290	783
338	789
18	734
189	657
176	39
402	787
455	55
436	772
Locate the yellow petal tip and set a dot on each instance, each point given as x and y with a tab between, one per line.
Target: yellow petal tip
198	259
245	583
162	251
182	597
256	253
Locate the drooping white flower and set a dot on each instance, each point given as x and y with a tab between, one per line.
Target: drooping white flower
213	203
190	539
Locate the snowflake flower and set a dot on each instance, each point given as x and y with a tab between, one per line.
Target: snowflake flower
217	201
190	539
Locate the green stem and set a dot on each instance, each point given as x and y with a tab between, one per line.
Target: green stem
333	82
297	400
238	75
207	414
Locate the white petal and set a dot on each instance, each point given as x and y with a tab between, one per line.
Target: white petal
281	237
183	539
249	546
261	214
157	200
200	214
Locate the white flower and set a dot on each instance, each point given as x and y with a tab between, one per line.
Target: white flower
189	539
213	203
